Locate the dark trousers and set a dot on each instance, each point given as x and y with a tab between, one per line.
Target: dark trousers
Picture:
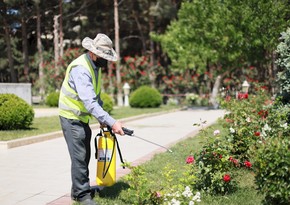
78	136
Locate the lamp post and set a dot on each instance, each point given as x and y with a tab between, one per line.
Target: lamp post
126	89
245	86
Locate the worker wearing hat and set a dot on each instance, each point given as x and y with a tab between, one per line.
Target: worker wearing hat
79	101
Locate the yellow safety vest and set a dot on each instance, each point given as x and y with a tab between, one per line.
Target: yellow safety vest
70	105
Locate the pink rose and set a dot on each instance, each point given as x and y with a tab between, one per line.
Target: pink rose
189	160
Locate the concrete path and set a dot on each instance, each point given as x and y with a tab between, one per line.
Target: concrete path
45	112
39	173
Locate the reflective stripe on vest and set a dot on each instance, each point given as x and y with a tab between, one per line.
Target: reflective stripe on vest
70	105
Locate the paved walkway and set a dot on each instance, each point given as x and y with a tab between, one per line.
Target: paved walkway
39	174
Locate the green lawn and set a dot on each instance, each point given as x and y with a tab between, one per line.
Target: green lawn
120	192
51	124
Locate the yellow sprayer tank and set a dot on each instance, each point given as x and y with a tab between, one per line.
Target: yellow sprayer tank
106	164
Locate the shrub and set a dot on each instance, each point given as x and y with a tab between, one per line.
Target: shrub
214	168
247	118
52	99
15	113
271	166
191	98
145	97
107	102
282	62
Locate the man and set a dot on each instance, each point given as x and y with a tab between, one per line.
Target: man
79	100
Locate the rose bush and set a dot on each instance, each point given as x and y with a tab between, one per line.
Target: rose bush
213	167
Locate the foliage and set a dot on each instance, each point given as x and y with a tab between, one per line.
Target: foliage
52	99
167	192
214	165
53	78
108	102
135	71
134	20
259	131
191	98
145	97
170	179
138	192
272	162
15	113
245	120
183	197
283	62
224	36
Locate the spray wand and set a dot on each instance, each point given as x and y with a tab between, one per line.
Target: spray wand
131	133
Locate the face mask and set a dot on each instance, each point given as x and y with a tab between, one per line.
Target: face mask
100	62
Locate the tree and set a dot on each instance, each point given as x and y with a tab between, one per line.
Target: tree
39	49
7	18
225	36
117	47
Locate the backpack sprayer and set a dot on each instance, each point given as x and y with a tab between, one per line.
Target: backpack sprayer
106	155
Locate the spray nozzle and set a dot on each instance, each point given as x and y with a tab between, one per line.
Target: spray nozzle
127	131
131	133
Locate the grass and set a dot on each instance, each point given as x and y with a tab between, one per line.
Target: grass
51	124
161	163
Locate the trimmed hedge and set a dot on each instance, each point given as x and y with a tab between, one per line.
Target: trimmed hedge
52	99
15	113
107	102
145	97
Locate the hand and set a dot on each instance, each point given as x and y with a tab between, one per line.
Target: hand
117	128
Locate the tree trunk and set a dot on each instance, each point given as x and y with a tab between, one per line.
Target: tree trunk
60	29
135	15
56	42
40	56
215	91
152	59
117	47
9	51
25	45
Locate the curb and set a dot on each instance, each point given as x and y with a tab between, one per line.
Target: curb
52	135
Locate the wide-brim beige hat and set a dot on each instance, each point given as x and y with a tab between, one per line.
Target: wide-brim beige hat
101	46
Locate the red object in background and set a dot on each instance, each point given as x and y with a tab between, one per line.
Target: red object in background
227	178
257	134
243	96
189	160
263	113
248	164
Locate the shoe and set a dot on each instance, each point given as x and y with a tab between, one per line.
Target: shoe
88	202
94	191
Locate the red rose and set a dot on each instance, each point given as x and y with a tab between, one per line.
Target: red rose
227	178
248	164
189	160
243	96
263	113
231	159
257	134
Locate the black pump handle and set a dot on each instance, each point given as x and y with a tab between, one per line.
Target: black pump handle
127	131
